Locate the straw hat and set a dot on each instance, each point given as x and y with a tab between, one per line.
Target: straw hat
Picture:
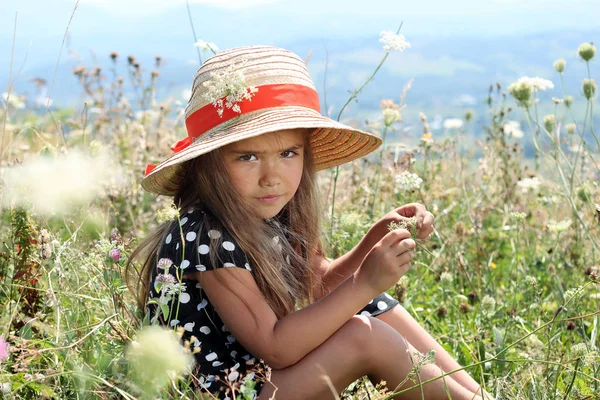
248	91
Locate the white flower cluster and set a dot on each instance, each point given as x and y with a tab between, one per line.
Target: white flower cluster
488	305
558	227
206	46
518	216
168	212
523	89
536	83
390	115
231	85
156	357
529	184
446	278
407	181
513	128
392	41
59	184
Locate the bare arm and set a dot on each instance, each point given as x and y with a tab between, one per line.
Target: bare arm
333	273
284	342
280	342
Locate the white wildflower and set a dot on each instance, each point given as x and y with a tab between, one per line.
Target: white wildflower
227	88
392	41
513	129
390	116
56	185
174	289
446	278
570	294
206	46
156	357
488	305
453	123
407	181
579	350
558	227
518	216
524	87
168	212
537	83
560	64
529	184
586	51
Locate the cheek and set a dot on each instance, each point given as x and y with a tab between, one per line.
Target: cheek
296	174
239	179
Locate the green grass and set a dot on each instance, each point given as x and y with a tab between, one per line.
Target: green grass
518	304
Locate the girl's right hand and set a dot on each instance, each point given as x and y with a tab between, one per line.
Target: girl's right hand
387	261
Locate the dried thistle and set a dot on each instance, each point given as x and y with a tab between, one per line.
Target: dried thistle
410	224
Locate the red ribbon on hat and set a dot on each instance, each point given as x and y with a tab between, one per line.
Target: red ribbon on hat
267	96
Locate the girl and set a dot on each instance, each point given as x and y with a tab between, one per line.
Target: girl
242	270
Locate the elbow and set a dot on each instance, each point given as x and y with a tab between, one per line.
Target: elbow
283	354
282	359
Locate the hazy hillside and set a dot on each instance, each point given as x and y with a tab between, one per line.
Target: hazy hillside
450	73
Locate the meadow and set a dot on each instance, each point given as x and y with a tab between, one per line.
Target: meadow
509	282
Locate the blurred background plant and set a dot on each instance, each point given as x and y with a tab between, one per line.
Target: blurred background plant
509	283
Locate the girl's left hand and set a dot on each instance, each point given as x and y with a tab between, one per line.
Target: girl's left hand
424	221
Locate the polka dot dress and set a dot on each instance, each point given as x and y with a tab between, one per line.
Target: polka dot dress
178	301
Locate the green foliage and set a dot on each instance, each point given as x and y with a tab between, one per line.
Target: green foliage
507	291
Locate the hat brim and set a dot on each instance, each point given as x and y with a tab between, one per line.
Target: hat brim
332	143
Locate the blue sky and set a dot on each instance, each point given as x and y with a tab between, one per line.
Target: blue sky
260	19
149	27
101	25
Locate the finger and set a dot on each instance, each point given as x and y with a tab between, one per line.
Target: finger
411	209
405	267
395	236
426	219
405	246
406	257
427	225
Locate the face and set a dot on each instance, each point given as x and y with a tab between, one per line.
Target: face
266	170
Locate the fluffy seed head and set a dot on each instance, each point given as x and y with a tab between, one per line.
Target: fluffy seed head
586	51
560	64
589	88
550	122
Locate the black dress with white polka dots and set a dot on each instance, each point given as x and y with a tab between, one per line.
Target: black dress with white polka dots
178	301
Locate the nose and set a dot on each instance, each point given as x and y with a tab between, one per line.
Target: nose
269	176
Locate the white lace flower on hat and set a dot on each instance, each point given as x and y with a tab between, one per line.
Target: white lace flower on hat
231	85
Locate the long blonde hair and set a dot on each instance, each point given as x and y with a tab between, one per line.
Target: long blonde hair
284	282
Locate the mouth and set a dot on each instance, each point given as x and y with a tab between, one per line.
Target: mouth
271	198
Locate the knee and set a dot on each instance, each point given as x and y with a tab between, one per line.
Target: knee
365	335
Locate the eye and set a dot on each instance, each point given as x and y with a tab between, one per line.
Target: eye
289	154
247	157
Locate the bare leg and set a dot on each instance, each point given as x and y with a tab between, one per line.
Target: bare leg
399	319
363	346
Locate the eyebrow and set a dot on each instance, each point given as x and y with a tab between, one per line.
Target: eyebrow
242	151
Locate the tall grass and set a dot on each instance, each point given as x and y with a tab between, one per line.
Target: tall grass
509	283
